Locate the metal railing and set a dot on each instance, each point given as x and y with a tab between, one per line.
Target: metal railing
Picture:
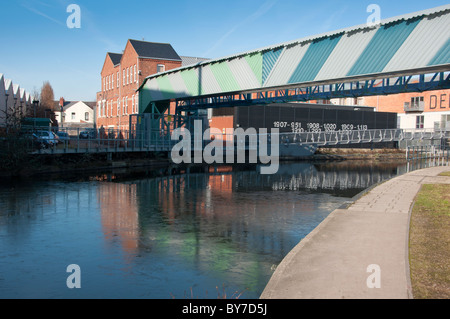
361	137
115	141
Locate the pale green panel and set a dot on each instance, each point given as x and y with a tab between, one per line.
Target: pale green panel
224	77
165	87
255	61
191	81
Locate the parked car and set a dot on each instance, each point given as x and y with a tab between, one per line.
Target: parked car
86	135
63	137
46	138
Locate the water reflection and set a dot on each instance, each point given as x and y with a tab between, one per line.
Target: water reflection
161	236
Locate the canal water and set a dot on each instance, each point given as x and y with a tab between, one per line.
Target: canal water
209	234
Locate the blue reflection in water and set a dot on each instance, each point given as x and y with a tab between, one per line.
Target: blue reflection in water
183	236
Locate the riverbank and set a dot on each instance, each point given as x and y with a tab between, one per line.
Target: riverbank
85	163
362	154
359	252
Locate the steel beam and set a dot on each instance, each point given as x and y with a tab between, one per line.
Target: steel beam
359	88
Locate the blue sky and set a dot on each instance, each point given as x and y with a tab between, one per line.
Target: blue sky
37	45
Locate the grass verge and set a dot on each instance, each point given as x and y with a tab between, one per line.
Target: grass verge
430	243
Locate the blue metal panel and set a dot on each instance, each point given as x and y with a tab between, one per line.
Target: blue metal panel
443	56
382	48
269	60
314	59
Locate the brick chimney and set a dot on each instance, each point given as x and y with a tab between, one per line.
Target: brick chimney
61	102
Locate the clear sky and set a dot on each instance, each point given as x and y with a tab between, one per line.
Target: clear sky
37	45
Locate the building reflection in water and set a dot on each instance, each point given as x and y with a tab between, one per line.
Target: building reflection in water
227	223
119	215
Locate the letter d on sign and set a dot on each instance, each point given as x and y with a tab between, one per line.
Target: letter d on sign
374	280
74	280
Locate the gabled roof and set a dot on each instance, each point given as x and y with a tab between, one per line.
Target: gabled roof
187	60
69	104
115	57
16	90
154	50
8	84
22	94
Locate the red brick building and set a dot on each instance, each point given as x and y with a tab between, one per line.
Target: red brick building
121	76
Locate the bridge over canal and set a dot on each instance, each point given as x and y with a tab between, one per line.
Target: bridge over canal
409	53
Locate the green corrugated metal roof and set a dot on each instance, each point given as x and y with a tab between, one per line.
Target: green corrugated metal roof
191	81
397	44
269	60
166	87
255	61
317	54
382	48
443	56
224	77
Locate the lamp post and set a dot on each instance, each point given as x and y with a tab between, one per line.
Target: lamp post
35	105
62	116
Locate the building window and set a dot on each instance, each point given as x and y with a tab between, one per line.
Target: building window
112	82
118	107
420	122
132	104
415	101
125	109
73	116
135	73
161	68
99	106
124	77
118	79
128	75
86	116
136	102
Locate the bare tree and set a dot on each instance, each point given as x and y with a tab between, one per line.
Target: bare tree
47	97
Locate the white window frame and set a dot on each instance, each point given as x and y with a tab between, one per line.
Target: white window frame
160	66
118	79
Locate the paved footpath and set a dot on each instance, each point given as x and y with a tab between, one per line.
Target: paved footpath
332	262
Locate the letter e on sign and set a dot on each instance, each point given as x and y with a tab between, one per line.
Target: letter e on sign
374	280
74	280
